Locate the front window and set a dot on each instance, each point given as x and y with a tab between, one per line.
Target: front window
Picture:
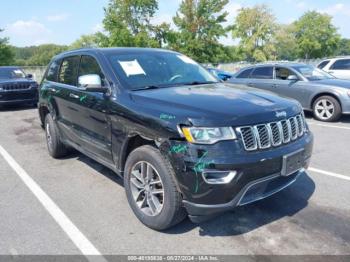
158	69
10	73
312	73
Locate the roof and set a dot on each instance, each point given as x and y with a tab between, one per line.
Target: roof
116	50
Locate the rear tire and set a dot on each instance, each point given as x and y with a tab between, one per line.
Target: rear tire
54	145
140	186
327	109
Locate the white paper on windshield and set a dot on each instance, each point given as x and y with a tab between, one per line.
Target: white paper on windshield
186	59
132	68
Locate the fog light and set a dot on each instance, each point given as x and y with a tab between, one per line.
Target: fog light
218	177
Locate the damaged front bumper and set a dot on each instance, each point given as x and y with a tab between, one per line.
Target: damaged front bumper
254	175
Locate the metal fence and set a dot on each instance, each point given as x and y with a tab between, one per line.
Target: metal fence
37	71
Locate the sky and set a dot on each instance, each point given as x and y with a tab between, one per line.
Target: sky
37	22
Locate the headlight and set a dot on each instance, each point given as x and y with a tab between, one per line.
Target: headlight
348	93
208	135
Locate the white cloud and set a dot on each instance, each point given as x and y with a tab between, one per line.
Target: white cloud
57	17
232	9
97	28
164	17
30	32
337	9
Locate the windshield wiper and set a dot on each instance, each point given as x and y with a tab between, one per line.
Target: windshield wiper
199	83
148	87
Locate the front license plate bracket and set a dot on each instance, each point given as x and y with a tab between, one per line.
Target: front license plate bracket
292	162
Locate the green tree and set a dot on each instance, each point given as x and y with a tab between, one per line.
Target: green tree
6	52
200	25
285	43
37	55
255	28
128	23
87	41
316	36
344	47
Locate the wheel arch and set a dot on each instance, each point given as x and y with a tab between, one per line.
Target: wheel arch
325	94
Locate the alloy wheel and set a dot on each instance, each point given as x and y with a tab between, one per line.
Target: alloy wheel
147	188
324	109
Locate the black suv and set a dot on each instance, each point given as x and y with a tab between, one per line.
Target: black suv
16	87
184	142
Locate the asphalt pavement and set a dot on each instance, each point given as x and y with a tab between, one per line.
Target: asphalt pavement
76	206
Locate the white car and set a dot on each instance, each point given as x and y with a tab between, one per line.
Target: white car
338	67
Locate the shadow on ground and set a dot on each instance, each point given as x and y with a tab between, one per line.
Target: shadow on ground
247	218
9	108
240	220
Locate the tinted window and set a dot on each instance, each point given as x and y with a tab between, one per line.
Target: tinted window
245	73
283	73
343	64
323	64
89	66
53	70
68	73
263	73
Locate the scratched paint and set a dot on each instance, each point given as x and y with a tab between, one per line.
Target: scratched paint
166	116
178	149
199	167
82	99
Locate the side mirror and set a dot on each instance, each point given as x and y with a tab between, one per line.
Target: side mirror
91	83
293	78
30	76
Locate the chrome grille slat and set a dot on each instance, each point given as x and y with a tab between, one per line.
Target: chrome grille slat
17	86
272	134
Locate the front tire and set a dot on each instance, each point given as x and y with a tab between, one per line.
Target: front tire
54	145
151	190
327	109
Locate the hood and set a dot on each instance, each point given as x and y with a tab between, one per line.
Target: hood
334	82
16	80
216	104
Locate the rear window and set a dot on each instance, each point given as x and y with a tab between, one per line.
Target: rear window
245	73
342	64
323	64
263	73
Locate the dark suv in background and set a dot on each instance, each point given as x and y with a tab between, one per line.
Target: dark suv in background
184	142
16	87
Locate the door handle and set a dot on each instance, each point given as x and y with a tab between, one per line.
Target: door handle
73	96
274	85
250	84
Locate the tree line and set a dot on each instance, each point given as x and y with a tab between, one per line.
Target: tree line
198	26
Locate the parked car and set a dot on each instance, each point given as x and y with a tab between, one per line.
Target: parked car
16	87
223	75
338	67
327	97
184	143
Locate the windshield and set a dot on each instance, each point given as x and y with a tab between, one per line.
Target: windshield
8	73
158	69
312	73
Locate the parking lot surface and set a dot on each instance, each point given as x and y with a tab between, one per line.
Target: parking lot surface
310	217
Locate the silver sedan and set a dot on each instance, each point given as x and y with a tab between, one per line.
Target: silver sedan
316	90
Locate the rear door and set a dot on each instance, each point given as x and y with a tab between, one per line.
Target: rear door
340	69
